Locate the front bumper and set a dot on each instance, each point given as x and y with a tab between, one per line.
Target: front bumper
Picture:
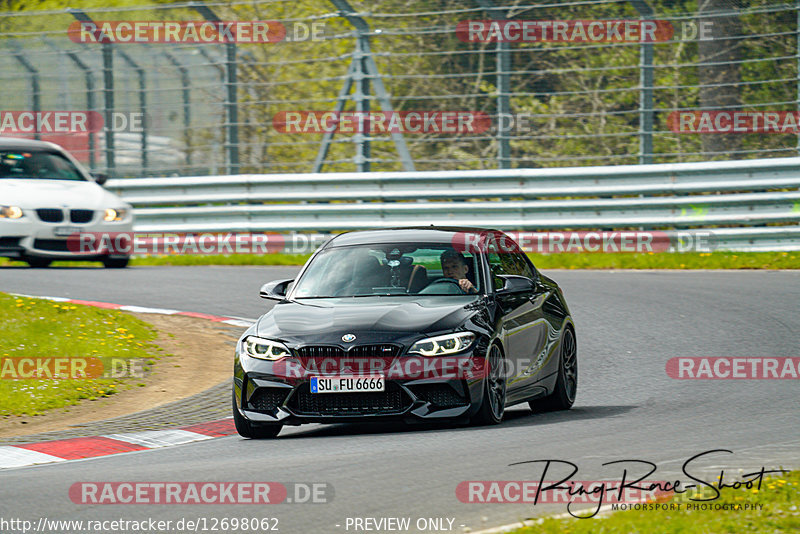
31	237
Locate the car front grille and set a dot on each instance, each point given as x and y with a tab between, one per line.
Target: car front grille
439	395
391	401
53	245
51	215
321	351
10	243
267	399
81	216
384	350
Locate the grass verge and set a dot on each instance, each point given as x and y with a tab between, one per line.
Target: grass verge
678	260
584	260
40	329
778	510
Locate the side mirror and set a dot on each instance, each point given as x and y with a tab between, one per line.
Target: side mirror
99	177
275	290
515	285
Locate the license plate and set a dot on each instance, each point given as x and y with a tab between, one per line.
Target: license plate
347	384
66	231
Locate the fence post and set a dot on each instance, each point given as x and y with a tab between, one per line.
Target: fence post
36	88
186	86
364	68
503	71
142	104
231	106
108	90
645	90
90	104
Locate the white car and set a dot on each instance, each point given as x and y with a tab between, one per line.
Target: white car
46	197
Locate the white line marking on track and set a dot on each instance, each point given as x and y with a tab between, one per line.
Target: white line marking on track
142	309
159	438
18	457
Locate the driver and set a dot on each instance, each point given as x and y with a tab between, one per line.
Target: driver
455	266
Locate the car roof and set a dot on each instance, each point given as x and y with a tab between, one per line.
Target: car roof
19	143
413	234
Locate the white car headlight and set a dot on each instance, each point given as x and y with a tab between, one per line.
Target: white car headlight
264	349
442	345
11	212
113	214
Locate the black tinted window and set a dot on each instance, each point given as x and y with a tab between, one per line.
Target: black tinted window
41	165
508	263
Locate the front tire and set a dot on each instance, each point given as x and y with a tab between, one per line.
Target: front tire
563	396
115	263
38	263
493	405
246	429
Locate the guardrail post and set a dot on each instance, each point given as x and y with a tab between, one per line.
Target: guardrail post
503	71
36	93
108	92
645	90
231	105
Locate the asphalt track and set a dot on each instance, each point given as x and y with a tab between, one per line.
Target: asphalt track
629	324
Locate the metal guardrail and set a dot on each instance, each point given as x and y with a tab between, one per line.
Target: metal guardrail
748	205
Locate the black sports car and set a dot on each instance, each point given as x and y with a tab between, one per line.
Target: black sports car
411	324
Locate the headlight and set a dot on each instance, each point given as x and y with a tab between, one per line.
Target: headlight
114	214
441	345
10	212
264	349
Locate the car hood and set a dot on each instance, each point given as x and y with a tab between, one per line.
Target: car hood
34	193
371	319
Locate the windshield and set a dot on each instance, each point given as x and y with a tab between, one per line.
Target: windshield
395	269
39	165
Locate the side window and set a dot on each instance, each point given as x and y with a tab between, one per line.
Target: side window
498	265
523	267
508	263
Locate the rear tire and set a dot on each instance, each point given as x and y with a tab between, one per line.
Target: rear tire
115	263
38	263
493	405
246	429
563	396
